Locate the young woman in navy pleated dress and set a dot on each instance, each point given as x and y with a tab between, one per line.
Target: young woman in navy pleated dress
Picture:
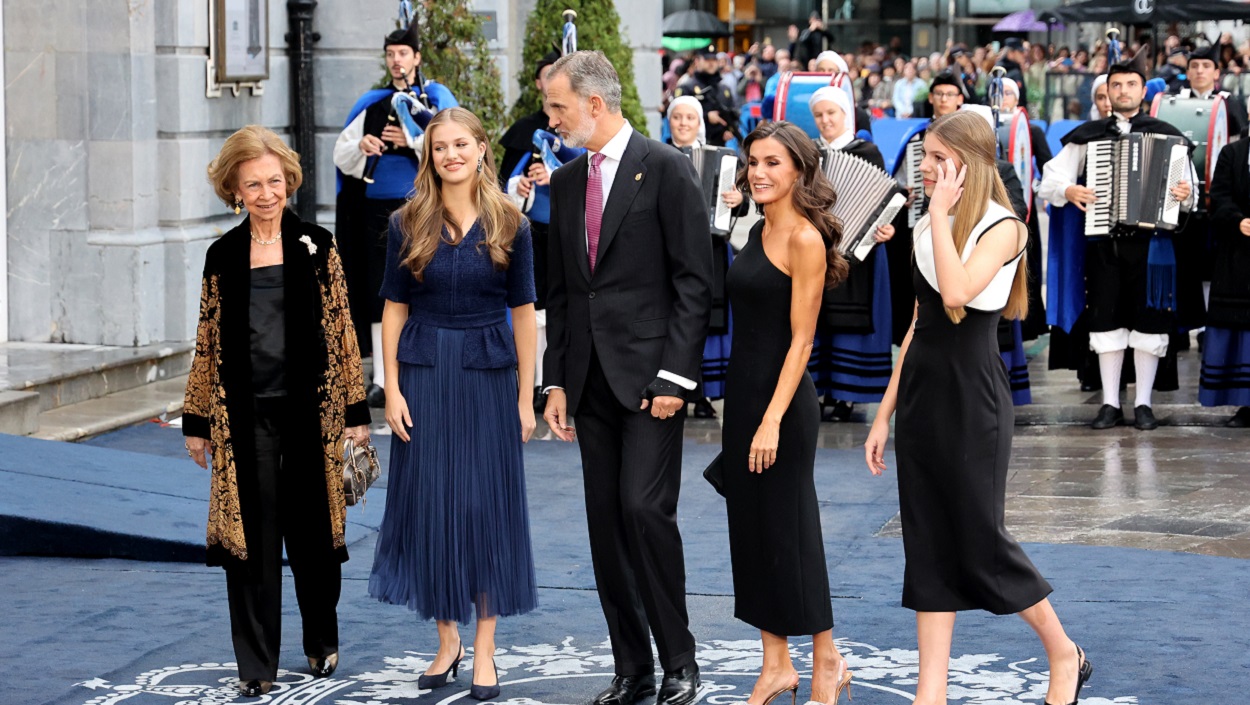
455	536
955	414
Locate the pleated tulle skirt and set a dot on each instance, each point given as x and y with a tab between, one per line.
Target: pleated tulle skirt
455	537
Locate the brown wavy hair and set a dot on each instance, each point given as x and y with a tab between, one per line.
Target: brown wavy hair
970	137
424	216
813	195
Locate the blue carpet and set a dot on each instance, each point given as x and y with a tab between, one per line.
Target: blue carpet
1160	627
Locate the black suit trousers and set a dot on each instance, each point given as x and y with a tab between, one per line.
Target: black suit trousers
631	467
255	591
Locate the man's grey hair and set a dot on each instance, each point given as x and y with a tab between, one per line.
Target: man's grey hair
590	73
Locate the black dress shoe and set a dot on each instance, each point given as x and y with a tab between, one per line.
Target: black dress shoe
680	687
323	667
1108	417
1241	419
1144	419
254	688
627	690
375	397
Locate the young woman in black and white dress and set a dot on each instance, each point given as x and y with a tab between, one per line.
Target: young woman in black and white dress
955	414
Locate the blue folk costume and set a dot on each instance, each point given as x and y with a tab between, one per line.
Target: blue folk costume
852	357
363	209
1226	351
1084	273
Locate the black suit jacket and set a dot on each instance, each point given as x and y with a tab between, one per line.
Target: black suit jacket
1230	203
646	307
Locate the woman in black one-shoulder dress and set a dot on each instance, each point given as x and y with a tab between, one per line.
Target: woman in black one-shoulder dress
955	414
772	416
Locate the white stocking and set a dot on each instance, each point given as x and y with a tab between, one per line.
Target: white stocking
1147	365
1109	366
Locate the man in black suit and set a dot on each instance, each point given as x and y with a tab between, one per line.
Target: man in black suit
629	294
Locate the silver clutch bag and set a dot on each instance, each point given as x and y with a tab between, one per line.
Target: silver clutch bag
360	471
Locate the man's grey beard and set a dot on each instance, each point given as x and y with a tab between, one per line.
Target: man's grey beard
584	132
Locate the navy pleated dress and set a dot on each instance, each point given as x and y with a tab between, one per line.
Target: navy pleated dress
455	536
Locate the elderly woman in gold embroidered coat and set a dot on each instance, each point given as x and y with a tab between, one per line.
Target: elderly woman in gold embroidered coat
275	387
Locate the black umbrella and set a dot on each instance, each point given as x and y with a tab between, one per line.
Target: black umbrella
694	23
1146	11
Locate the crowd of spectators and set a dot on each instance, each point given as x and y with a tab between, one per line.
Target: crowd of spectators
1055	80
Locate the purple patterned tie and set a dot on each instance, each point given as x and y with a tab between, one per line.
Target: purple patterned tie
594	208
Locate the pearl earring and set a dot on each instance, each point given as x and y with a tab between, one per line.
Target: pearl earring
238	205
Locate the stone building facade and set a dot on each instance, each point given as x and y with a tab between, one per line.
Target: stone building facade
108	130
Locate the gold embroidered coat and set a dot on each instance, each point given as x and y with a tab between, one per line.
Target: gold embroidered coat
325	386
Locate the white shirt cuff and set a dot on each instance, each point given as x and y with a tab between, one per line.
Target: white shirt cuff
677	380
548	389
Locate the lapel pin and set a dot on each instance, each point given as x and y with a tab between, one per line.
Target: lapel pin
638	176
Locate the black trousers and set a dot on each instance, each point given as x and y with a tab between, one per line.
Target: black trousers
631	466
255	591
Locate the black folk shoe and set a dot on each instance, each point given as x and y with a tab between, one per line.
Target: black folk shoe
1108	417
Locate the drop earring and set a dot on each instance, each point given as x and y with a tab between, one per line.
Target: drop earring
238	205
479	165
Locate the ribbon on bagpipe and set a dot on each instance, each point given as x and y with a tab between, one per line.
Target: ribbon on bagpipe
995	97
568	39
552	153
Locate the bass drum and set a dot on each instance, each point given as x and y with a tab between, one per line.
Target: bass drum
795	88
1204	122
1015	143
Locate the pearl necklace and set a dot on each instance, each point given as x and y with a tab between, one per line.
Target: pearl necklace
267	242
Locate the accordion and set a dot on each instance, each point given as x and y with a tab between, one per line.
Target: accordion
868	198
717	168
1133	176
913	154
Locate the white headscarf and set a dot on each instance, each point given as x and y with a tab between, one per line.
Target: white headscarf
698	108
1010	86
1093	93
836	58
840	98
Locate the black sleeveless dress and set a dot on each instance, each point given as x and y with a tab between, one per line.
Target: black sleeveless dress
953	434
781	582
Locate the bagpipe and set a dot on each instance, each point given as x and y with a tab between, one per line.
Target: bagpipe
1015	142
410	111
552	153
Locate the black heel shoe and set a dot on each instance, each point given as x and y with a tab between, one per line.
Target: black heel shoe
1084	671
254	688
438	680
324	667
486	692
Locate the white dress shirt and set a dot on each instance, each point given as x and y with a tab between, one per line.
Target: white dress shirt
1068	165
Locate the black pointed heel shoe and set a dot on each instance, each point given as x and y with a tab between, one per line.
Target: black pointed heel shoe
324	667
1084	671
254	688
438	680
486	692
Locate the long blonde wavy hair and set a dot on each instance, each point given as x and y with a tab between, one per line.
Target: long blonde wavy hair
424	216
972	140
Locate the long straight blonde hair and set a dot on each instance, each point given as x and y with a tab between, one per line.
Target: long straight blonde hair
424	216
972	140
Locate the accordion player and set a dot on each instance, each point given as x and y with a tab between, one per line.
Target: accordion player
1132	177
868	198
717	168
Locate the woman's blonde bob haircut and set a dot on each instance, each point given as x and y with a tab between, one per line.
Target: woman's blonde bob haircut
251	142
971	138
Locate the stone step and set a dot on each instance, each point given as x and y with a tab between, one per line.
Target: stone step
68	374
76	422
19	413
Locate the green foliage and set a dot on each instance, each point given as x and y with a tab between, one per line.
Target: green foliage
598	27
455	53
